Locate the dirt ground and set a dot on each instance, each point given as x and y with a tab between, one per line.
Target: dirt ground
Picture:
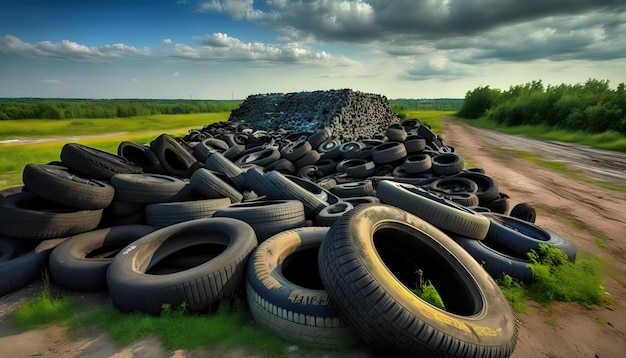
584	213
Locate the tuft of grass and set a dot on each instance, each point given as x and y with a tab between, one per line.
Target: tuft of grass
601	242
602	321
44	309
555	278
425	290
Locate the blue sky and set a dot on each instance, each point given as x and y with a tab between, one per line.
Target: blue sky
223	49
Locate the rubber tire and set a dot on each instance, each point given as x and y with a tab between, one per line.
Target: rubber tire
369	259
524	211
331	213
487	187
174	157
447	164
520	236
235	175
201	287
494	261
166	214
150	188
26	268
211	186
295	150
140	155
24	215
80	263
267	217
61	185
95	163
298	311
438	211
278	186
352	189
388	153
454	185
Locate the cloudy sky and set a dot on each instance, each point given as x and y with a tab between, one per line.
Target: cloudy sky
223	49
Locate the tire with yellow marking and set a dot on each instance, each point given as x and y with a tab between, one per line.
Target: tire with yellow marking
371	258
285	293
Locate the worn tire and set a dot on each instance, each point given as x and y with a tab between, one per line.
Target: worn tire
150	188
95	163
372	256
285	292
145	275
80	263
438	211
166	214
211	186
63	186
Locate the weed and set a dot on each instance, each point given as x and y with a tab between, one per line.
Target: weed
515	292
425	290
601	242
602	321
44	309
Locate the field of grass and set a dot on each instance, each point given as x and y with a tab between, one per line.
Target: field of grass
429	117
15	156
607	140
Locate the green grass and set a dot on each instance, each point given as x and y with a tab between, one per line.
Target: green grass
606	140
425	290
38	128
557	279
429	117
44	309
15	156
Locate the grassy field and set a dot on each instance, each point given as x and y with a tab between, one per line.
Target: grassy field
14	155
606	140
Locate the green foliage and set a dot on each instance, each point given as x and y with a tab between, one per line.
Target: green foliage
425	290
44	309
555	278
425	104
37	108
591	107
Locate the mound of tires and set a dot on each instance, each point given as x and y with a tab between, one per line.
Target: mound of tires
325	240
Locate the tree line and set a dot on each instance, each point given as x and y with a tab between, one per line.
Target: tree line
591	106
38	108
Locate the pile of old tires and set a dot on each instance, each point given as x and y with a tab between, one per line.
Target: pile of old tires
325	238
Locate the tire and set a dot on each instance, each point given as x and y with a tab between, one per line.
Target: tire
447	164
372	256
10	248
25	268
396	133
219	163
495	262
500	205
280	187
309	158
295	150
360	168
284	166
267	217
414	144
204	148
351	150
147	273
211	186
520	236
95	163
80	263
176	160
24	215
454	185
352	189
233	153
166	214
388	153
362	200
438	211
61	185
285	292
141	156
319	136
330	148
331	213
524	211
150	188
262	157
487	187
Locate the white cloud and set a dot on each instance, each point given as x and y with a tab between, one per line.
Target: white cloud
50	81
175	74
222	47
238	9
167	41
134	80
69	50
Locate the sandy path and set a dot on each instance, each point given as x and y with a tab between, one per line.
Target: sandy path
578	210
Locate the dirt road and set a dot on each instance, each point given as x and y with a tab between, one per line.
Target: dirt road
590	216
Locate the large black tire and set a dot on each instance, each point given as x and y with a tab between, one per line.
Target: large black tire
24	215
61	185
25	268
278	186
145	275
520	236
487	187
150	188
211	186
235	175
352	189
388	152
285	292
371	258
331	213
95	163
494	261
295	150
10	248
140	155
524	211
174	157
267	217
80	263
166	214
438	211
447	164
